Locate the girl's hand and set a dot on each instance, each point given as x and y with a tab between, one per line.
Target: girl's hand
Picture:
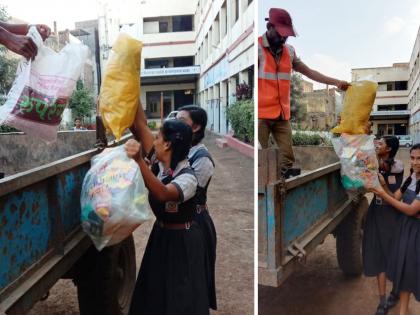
382	180
133	149
377	190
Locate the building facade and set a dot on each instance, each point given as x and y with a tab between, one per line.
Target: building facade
194	52
320	109
390	114
414	90
225	53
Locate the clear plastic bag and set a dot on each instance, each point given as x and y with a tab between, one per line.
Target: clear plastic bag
42	88
359	164
113	199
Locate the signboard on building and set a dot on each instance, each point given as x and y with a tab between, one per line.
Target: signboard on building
170	71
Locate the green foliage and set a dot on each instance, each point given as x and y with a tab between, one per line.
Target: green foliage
300	138
297	106
241	117
7	71
81	102
152	124
4	16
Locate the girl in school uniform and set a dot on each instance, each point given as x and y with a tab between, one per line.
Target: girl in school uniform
381	222
172	278
203	166
404	265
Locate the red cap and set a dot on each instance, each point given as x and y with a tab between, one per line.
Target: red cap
282	22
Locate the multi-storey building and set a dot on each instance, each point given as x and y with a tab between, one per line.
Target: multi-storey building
414	90
225	53
390	114
194	52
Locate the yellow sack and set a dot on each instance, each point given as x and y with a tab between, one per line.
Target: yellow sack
120	90
358	103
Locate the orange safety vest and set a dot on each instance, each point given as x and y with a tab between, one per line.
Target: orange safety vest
274	83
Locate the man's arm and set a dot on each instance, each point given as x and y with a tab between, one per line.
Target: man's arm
319	77
22	29
20	44
17	29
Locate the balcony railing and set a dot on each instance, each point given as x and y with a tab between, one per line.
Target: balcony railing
391	113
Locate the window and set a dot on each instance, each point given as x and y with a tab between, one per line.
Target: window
184	61
153	103
392	107
167	24
223	20
163	27
400	85
236	10
156	63
182	23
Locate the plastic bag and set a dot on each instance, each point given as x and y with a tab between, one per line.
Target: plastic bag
359	164
358	103
120	90
42	88
113	199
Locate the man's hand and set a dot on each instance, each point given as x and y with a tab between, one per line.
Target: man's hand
44	30
22	45
342	85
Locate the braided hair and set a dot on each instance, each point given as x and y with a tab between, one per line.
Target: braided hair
179	134
409	179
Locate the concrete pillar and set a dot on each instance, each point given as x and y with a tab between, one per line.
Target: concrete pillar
232	90
210	112
223	106
232	96
216	107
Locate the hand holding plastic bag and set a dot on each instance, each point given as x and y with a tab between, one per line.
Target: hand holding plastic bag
359	164
42	88
113	199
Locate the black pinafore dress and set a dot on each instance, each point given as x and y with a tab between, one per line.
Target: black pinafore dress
379	230
404	267
172	278
204	220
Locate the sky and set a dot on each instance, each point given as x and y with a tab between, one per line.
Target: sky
47	11
335	36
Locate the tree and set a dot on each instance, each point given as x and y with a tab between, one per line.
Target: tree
297	106
7	71
81	102
8	65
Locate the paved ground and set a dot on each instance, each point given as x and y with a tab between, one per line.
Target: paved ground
231	206
320	288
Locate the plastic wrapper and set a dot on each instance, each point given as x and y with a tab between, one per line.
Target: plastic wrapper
358	103
113	199
42	88
120	90
359	164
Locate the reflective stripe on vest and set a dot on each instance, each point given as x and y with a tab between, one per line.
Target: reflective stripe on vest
274	83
